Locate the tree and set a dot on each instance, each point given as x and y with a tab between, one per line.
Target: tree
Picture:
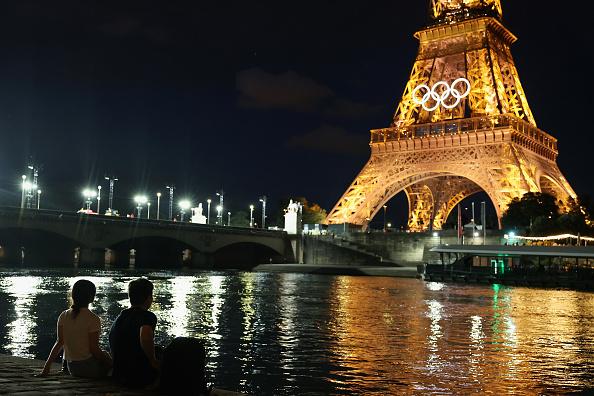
312	212
240	219
577	218
533	213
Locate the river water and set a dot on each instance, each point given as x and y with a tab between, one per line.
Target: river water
302	334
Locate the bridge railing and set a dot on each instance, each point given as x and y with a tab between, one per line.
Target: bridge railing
466	125
65	216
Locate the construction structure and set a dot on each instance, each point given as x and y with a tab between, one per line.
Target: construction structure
463	126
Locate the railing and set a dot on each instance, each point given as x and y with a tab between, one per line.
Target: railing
466	125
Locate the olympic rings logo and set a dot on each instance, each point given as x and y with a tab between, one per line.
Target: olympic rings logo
441	94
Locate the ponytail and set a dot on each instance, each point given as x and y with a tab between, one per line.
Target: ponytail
83	293
75	310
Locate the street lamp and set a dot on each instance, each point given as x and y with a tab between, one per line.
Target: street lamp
228	219
38	199
208	201
140	200
385	207
263	200
251	216
184	205
98	199
171	188
148	210
112	181
219	211
220	216
24	177
158	204
89	195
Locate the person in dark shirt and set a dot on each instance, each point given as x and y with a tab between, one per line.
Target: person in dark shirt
131	338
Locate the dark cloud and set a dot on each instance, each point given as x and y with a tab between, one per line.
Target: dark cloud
348	109
286	90
331	139
291	91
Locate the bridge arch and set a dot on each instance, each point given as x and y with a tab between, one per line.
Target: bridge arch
36	247
152	251
441	192
244	255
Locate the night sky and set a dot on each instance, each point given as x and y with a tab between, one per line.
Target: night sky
265	97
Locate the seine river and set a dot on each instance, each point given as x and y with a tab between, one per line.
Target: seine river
301	334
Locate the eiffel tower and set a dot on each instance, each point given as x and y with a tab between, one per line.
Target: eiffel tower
463	126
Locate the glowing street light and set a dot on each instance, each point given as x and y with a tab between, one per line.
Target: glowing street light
140	200
38	199
228	219
158	204
112	181
220	215
148	210
219	211
184	205
208	201
89	194
98	199
171	188
251	216
263	200
24	177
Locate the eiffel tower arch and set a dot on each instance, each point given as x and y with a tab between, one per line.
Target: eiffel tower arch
463	125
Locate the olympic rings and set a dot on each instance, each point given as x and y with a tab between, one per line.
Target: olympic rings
440	98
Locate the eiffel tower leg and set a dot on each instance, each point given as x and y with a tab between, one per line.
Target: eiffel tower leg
431	201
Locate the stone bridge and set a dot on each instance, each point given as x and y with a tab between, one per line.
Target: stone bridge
58	239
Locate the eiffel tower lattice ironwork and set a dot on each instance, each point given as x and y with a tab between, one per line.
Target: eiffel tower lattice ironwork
463	125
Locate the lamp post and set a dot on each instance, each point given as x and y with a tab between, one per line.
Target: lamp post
148	210
385	207
219	211
112	181
140	200
89	195
208	201
158	205
38	199
251	216
263	200
228	219
24	177
183	206
98	199
171	188
220	215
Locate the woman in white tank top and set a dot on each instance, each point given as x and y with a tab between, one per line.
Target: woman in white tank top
78	334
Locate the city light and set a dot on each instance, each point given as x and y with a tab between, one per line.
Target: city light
208	201
89	194
219	211
184	205
251	216
140	200
158	205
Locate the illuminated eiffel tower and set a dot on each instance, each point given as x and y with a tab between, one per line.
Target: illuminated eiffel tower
463	125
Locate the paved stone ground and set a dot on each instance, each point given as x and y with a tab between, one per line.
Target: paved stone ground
17	377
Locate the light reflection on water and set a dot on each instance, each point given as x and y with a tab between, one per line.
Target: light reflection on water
285	334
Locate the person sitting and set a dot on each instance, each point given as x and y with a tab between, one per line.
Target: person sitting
131	339
78	334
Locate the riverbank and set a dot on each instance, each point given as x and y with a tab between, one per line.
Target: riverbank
400	272
17	377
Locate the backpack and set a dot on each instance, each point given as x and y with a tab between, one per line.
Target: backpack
183	368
